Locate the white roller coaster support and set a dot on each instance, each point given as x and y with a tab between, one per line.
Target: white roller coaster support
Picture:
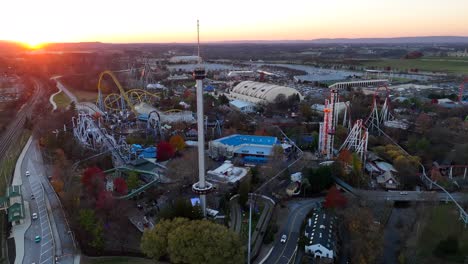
430	182
91	135
357	140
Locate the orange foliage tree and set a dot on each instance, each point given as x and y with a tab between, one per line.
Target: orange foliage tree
177	142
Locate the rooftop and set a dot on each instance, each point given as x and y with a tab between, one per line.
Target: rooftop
320	229
237	139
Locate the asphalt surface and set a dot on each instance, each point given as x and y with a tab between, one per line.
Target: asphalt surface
411	195
42	252
51	223
283	252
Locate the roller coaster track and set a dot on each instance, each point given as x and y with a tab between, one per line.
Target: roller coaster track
136	96
123	94
427	180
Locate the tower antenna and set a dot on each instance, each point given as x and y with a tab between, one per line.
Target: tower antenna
198	41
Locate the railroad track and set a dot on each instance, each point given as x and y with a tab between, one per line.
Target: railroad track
13	131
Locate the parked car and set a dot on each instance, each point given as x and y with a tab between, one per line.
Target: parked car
404	193
32	197
283	238
34	216
27	173
37	239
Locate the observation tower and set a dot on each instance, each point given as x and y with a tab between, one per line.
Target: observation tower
202	187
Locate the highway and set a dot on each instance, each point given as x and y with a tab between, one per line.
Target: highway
56	238
283	252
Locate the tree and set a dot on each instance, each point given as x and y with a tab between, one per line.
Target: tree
93	228
448	246
244	190
132	180
105	201
181	208
165	151
366	239
120	186
154	241
93	180
177	142
201	241
319	179
335	199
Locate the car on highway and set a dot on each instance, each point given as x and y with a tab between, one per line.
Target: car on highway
403	193
37	239
27	173
34	216
283	238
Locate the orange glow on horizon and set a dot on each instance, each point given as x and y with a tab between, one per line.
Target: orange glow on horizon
149	21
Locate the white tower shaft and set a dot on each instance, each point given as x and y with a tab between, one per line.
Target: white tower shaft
201	143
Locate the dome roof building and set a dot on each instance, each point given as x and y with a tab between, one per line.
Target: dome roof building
259	92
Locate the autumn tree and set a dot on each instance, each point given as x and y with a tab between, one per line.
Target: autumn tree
366	240
120	186
177	142
335	199
93	180
165	151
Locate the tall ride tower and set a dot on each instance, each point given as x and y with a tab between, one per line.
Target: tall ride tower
202	187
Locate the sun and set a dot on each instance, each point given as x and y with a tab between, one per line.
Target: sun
33	44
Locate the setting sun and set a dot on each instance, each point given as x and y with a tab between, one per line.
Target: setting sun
33	44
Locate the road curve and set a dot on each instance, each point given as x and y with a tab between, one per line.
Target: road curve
283	252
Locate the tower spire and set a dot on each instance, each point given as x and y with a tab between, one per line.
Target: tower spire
198	41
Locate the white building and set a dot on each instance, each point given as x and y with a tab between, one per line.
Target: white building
184	59
227	172
243	106
259	92
320	232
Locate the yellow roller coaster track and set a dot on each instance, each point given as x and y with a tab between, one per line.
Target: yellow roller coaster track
119	86
131	97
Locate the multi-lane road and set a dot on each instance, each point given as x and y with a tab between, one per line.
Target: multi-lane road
284	252
52	225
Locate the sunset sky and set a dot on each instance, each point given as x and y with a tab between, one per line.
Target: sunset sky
118	21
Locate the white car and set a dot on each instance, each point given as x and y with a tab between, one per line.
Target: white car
27	174
34	216
283	238
403	193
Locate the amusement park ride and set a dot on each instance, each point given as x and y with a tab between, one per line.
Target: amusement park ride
358	134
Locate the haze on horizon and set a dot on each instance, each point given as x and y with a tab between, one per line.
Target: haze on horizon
147	21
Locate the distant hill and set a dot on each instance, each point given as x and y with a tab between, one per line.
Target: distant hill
401	40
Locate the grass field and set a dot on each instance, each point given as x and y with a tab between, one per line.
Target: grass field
115	260
62	100
440	222
432	64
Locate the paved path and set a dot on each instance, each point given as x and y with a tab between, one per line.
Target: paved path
235	214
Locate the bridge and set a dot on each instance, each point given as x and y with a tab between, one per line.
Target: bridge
359	84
